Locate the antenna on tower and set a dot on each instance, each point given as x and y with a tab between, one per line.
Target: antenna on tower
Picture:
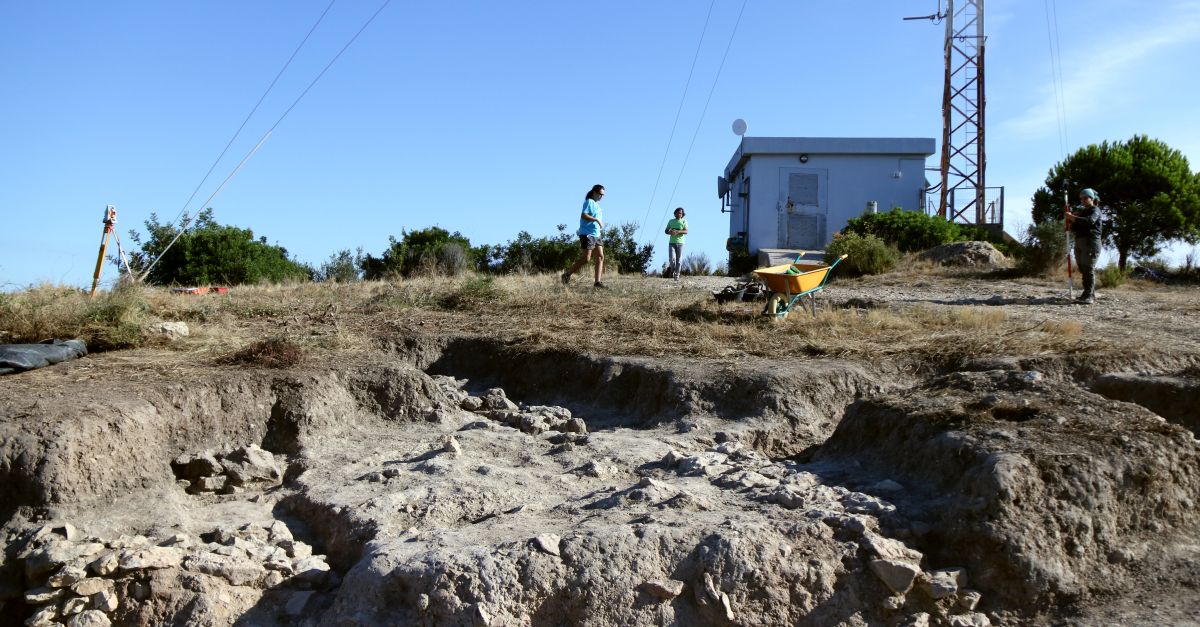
936	18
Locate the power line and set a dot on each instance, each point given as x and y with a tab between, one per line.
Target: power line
1060	106
273	126
678	111
711	90
183	211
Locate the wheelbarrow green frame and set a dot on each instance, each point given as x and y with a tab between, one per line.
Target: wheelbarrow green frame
787	289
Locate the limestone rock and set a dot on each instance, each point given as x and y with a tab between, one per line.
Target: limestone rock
105	601
311	570
89	618
106	564
156	557
71	607
278	532
250	464
193	467
93	585
66	576
239	571
939	584
172	329
452	447
41	596
969	599
43	617
471	403
896	575
496	400
974	619
46	559
549	543
663	588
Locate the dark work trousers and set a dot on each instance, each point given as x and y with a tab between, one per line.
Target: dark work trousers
1087	249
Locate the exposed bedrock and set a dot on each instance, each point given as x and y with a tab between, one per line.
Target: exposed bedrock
1045	492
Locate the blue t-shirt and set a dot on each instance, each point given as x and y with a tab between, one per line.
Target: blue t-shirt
588	227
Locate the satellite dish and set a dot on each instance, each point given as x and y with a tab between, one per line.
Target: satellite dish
739	127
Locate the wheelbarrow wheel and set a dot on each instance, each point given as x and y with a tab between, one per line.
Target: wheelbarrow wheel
777	306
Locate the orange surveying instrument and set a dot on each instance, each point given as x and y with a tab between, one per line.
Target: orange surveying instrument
110	224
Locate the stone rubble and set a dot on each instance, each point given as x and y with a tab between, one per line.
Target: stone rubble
228	473
94	582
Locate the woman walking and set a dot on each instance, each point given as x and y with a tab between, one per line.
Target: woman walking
590	225
677	228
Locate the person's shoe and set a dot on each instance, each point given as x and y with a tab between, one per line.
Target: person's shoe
566	277
1086	299
599	285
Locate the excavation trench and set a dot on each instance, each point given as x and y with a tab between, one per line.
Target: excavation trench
421	506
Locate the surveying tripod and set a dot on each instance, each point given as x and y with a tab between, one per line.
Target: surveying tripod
110	229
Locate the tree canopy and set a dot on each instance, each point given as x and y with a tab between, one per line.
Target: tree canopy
1148	193
208	253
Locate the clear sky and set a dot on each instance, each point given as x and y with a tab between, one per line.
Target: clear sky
494	117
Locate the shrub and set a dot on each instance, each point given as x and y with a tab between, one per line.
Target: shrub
527	254
422	252
622	250
1111	275
741	262
474	291
1045	248
269	353
208	253
341	267
867	254
909	231
696	264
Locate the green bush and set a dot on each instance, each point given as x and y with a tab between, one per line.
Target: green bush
208	253
433	250
1111	275
622	251
1045	248
909	231
867	254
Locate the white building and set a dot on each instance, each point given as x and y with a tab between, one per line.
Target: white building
795	192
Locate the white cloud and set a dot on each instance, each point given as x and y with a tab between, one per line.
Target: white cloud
1101	67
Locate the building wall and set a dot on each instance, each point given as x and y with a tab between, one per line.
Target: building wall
849	181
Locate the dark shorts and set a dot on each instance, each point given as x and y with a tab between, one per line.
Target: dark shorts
588	242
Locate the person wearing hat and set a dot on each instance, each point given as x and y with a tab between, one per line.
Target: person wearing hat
1084	223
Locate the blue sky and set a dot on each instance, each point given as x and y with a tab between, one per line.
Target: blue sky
491	118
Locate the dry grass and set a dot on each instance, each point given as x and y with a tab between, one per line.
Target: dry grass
635	316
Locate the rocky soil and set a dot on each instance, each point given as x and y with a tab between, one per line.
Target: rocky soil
449	479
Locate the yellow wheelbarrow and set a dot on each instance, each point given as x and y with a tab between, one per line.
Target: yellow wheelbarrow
790	282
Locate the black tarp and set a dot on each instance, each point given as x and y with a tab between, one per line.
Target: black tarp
21	357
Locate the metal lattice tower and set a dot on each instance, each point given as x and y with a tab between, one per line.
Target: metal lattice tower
963	158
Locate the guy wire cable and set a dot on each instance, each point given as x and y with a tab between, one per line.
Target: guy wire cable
269	131
700	123
1060	97
183	211
675	124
